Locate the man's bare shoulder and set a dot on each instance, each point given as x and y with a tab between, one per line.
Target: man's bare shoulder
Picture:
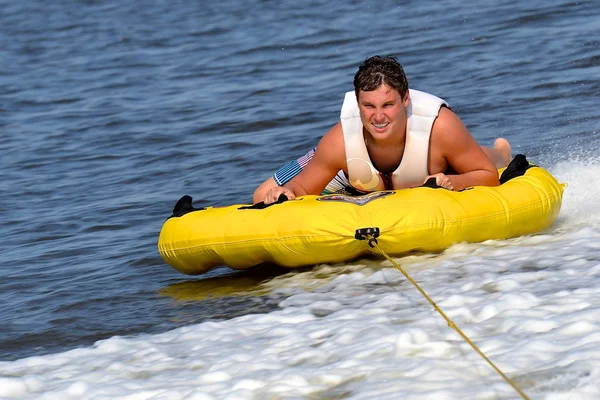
447	120
448	128
332	148
335	134
329	158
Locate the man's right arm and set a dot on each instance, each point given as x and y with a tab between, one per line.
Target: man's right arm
329	158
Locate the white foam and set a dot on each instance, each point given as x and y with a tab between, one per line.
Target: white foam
581	204
361	331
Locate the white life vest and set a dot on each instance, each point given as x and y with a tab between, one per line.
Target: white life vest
421	112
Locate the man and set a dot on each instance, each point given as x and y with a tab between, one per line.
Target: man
390	137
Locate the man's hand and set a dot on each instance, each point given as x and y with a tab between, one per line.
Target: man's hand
273	194
442	180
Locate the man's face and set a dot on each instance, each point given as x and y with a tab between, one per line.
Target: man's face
383	111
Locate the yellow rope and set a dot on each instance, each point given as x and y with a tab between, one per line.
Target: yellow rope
373	243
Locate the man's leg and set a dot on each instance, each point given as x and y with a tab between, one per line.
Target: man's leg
339	184
282	176
500	154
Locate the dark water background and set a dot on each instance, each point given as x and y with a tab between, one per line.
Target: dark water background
111	110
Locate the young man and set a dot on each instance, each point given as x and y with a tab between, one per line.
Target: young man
390	137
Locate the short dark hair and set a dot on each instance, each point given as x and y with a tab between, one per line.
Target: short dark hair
378	70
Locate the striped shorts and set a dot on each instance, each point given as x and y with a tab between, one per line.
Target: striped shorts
338	185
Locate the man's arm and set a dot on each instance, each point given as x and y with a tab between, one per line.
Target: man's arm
329	158
451	140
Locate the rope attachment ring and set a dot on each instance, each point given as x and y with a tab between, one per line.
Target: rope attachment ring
368	234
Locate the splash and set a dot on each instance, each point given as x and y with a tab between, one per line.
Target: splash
581	201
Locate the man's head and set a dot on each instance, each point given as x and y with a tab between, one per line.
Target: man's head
382	94
378	70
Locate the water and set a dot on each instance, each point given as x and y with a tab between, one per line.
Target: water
110	111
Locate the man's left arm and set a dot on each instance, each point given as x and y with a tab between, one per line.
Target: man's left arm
463	154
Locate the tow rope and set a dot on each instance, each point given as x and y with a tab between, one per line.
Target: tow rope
370	235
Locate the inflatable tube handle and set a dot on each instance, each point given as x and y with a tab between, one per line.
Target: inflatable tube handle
184	206
517	167
262	205
431	183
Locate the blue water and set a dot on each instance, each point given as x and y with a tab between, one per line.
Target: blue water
110	111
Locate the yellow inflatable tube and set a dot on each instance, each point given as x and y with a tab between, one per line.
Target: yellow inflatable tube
322	229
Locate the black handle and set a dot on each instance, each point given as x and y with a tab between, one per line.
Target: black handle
431	183
262	205
184	206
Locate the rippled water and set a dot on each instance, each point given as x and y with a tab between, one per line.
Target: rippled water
110	111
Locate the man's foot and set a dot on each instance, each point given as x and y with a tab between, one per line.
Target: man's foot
503	153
